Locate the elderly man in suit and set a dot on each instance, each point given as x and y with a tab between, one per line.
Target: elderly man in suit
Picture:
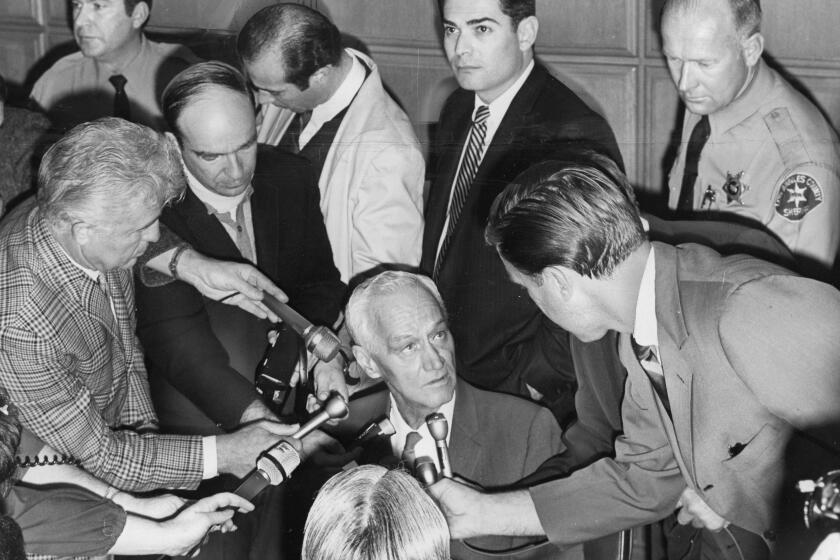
398	324
712	395
508	114
329	105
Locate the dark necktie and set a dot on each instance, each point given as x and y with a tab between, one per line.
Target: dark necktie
121	107
696	141
242	240
409	454
649	359
463	182
291	139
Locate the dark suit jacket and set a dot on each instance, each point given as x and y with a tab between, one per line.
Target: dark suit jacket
496	440
748	354
502	338
202	354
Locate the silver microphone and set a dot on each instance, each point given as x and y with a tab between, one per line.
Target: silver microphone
439	428
319	340
276	464
425	471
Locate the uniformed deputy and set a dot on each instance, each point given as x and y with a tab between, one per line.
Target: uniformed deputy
751	144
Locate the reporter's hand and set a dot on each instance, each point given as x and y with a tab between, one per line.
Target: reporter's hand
238	284
209	514
328	377
692	509
459	502
156	507
322	450
829	549
237	452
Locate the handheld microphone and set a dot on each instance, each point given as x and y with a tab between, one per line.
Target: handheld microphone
276	464
375	429
319	340
425	471
439	428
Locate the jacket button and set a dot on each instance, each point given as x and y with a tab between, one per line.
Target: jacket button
770	535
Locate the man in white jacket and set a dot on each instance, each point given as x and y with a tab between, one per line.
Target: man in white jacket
328	104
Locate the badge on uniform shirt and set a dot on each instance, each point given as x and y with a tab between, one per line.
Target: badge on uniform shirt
734	188
799	194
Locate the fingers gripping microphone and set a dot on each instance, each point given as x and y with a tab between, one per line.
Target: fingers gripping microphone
319	340
439	428
276	464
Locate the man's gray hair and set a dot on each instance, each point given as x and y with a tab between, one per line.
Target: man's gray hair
104	165
746	13
359	314
370	512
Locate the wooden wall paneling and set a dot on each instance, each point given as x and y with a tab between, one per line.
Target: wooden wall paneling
611	90
663	122
20	12
19	51
803	32
404	22
587	27
58	13
421	81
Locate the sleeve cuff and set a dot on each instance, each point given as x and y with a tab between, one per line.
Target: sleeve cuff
210	463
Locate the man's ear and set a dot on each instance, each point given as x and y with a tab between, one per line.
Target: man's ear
319	77
752	47
139	15
366	362
561	280
82	233
526	33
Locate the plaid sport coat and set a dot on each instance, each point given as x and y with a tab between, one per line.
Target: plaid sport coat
75	370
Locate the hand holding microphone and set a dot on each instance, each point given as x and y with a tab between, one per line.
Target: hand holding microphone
321	341
276	464
439	428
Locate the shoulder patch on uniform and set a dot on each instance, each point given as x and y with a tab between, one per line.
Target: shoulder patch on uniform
800	193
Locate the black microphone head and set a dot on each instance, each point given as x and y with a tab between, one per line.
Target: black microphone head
438	426
425	471
322	342
373	430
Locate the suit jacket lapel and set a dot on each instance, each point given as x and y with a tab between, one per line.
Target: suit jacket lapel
465	443
265	202
214	234
673	334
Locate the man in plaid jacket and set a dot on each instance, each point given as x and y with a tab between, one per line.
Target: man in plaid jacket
68	353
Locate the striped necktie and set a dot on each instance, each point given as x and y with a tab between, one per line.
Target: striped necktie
648	357
466	174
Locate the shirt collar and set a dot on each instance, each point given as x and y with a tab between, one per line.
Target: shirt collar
214	201
401	427
644	329
342	96
89	272
746	103
499	106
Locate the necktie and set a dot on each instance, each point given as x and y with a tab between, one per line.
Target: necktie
649	359
408	454
121	107
466	174
696	141
291	139
241	238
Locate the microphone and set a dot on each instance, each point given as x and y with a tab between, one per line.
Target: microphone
319	340
276	464
425	471
375	429
439	428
